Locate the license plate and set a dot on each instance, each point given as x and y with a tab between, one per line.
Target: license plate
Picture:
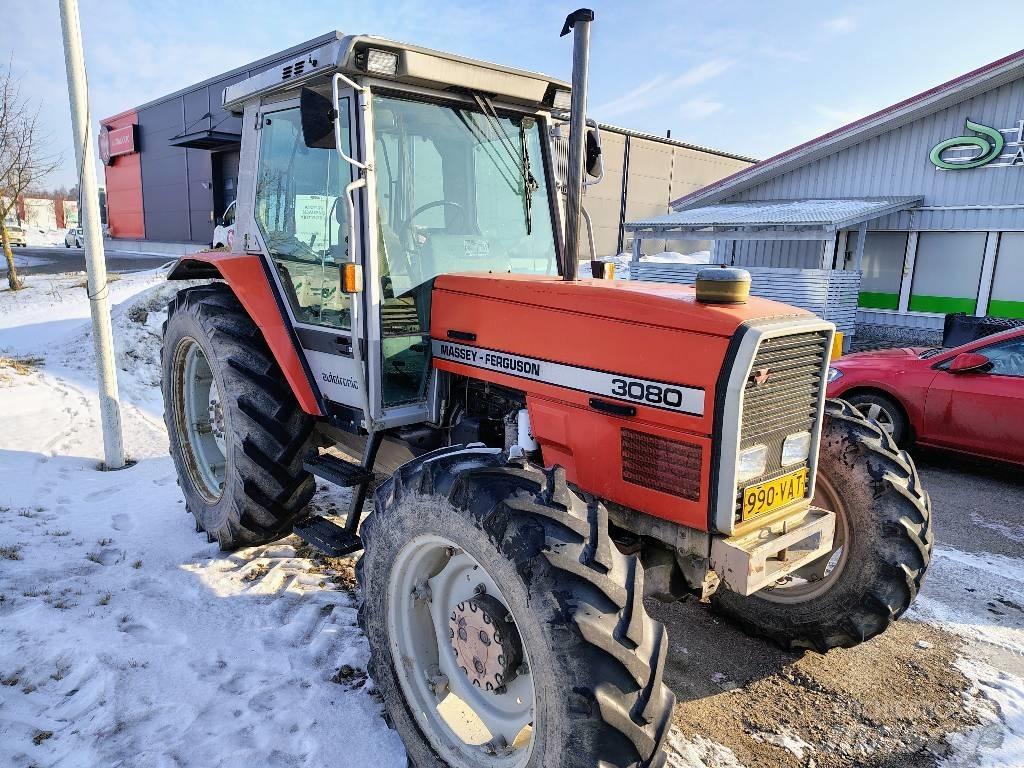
775	494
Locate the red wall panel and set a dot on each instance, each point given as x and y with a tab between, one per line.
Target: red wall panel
124	187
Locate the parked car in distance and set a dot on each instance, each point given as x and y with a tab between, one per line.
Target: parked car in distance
16	236
968	399
73	238
224	232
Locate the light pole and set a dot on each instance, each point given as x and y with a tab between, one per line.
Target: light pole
92	236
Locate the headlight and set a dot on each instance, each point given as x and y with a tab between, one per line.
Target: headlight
753	461
833	374
795	448
380	62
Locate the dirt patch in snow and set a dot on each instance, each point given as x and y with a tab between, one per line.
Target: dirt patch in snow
889	702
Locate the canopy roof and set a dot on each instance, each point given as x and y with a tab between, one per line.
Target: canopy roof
812	219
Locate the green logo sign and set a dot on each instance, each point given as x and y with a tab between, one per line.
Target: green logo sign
988	147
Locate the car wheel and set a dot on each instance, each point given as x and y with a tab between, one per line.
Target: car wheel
67	244
884	411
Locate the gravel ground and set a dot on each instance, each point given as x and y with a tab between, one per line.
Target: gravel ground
895	701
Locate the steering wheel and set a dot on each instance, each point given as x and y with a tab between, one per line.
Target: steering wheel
436	204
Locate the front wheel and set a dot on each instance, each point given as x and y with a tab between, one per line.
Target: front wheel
505	628
883	545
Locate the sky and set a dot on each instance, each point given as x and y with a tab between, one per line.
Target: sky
745	76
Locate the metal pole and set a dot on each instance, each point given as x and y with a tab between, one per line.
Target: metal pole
579	22
92	236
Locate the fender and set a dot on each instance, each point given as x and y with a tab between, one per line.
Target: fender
244	274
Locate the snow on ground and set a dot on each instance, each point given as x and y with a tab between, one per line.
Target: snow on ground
127	639
43	237
981	598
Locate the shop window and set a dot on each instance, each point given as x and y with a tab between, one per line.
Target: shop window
947	272
1007	298
882	268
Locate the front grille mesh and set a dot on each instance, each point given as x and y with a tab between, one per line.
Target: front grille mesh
781	396
661	464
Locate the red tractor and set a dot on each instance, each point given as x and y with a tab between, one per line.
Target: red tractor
400	311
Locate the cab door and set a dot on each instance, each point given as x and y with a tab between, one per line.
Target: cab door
302	216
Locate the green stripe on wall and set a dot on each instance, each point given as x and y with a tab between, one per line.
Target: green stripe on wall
874	300
998	308
942	304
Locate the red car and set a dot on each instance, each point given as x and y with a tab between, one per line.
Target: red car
969	398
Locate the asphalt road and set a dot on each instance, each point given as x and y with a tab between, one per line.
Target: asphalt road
55	260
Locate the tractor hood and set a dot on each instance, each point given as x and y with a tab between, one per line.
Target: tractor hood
654	304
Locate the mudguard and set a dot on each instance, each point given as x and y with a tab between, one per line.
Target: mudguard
245	275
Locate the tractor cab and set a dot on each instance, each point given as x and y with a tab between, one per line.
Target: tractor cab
378	167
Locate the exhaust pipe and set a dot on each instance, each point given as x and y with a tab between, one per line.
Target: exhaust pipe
578	22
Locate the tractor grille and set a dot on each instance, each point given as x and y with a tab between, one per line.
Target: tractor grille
661	464
781	395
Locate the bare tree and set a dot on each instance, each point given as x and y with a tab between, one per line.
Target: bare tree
23	161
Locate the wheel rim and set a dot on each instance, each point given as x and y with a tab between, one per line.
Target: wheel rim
199	419
819	577
879	414
432	585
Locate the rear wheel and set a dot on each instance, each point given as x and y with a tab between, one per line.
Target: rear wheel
505	629
237	435
882	548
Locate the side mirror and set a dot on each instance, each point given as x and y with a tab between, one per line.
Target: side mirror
593	160
317	113
970	362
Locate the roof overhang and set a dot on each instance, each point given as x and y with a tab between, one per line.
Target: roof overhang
810	219
208	140
981	80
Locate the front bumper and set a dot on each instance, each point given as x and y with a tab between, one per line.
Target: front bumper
754	560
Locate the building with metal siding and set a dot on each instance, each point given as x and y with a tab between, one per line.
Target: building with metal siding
182	171
960	248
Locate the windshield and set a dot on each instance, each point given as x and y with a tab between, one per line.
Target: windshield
458	190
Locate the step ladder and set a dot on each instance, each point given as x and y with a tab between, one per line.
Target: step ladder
329	537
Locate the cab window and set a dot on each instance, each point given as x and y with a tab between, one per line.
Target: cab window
303	217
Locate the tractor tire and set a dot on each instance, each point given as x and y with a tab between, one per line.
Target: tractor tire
884	545
883	410
262	433
595	658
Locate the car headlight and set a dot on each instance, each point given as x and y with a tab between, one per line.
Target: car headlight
753	461
796	448
833	374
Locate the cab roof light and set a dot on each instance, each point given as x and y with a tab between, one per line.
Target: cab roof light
380	62
562	99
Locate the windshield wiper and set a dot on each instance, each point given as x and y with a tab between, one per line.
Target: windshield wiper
522	162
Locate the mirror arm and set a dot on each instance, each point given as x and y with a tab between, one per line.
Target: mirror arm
340	78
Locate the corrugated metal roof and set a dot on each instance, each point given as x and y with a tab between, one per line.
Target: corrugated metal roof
999	72
821	213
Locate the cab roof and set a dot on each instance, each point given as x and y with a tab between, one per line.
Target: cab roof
416	66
